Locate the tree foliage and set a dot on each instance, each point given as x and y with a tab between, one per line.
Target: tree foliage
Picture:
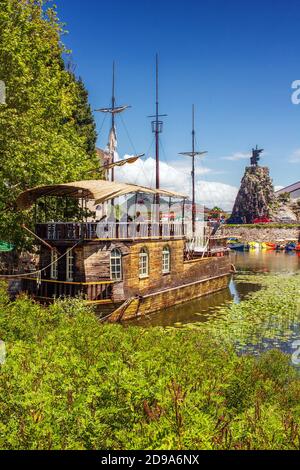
84	120
284	198
46	127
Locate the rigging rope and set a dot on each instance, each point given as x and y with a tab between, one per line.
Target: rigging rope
103	121
148	150
39	272
128	135
180	171
141	169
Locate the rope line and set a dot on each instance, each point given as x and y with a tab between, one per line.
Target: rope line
128	135
39	272
149	180
103	121
141	170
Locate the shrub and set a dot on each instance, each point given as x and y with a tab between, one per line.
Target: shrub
70	382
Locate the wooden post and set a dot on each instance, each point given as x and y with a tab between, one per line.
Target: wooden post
183	215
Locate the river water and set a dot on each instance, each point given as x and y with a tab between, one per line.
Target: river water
252	262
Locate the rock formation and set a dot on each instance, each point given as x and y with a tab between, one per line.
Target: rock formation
256	195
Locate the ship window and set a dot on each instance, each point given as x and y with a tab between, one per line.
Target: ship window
143	263
54	267
69	265
116	265
166	260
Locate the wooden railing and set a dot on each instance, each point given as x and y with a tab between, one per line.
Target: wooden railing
48	289
94	230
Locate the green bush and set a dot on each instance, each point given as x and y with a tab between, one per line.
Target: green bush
70	382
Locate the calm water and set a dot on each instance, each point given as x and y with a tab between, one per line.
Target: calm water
266	261
250	262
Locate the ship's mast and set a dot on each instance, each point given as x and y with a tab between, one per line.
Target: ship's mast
193	170
193	154
113	105
157	128
113	110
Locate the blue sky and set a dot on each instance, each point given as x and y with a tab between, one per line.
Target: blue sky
235	60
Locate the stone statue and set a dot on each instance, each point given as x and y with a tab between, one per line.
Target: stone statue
255	156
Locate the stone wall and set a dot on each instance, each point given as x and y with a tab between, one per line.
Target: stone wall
92	263
156	280
182	272
96	265
182	294
263	234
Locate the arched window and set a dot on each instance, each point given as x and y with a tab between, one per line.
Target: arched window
116	265
166	260
143	263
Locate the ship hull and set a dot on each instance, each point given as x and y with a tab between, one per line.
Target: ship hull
136	293
144	305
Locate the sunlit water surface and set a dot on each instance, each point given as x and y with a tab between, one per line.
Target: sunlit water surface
206	308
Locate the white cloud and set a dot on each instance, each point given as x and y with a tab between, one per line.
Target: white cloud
295	157
213	193
278	188
177	177
237	156
184	167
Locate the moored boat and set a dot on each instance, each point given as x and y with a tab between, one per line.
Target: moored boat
232	240
254	245
142	265
237	246
271	246
291	246
100	247
268	246
280	245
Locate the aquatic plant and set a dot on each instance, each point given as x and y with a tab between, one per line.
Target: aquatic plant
267	319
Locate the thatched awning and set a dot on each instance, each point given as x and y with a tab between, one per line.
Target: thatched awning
98	190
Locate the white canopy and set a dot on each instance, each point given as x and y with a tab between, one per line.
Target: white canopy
98	190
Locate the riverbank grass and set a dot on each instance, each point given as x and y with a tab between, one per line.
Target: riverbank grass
71	383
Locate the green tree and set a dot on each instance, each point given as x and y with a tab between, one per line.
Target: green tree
84	119
46	127
284	198
216	212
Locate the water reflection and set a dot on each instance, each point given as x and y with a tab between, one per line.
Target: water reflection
234	291
201	310
266	261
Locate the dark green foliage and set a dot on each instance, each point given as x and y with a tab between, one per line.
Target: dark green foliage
72	383
284	198
46	127
84	120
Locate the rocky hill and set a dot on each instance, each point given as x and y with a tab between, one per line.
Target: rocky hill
256	195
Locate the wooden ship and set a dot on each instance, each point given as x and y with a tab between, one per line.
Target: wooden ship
127	263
